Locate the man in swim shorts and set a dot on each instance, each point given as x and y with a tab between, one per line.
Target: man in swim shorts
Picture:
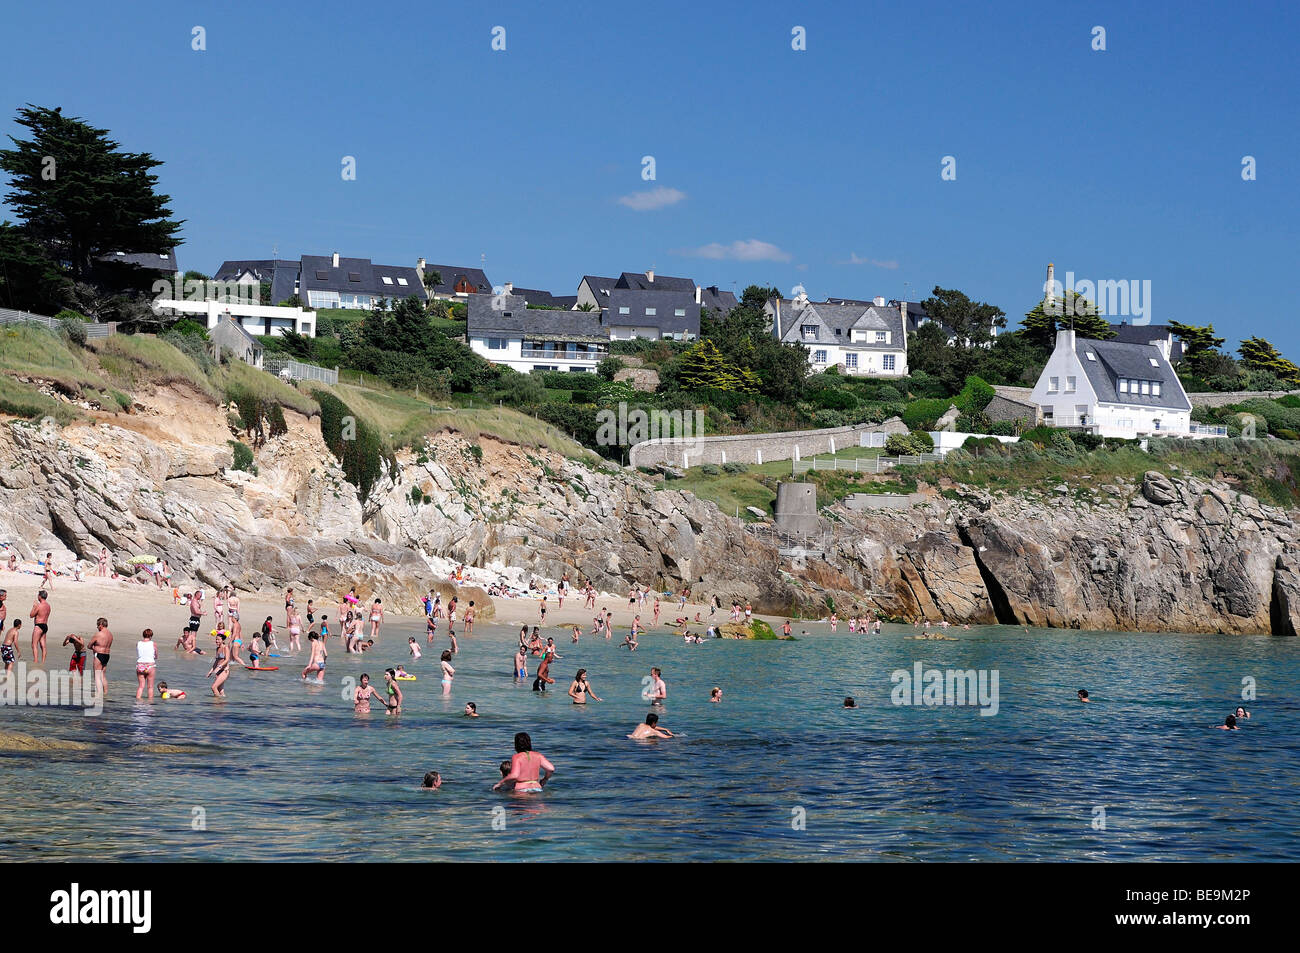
40	616
529	770
101	644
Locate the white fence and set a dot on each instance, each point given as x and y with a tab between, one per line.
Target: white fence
864	464
873	438
94	329
297	370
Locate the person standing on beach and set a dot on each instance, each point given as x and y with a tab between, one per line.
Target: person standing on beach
103	562
529	770
146	664
542	608
4	609
10	649
196	611
78	661
656	622
469	618
376	618
288	604
40	616
295	630
101	644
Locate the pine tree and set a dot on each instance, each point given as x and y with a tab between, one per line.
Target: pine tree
80	196
1258	354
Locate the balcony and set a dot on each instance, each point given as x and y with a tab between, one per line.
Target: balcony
536	355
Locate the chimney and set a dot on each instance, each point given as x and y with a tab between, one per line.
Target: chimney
878	301
1065	339
419	265
902	313
336	259
510	287
698	292
650	276
1049	289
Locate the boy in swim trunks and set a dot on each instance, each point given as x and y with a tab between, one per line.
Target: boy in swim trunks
10	650
78	661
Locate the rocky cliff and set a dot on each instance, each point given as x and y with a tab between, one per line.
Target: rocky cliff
1156	554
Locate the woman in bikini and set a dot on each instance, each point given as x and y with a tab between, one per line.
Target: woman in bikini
448	673
394	691
220	667
295	630
361	697
581	688
376	617
529	770
288	604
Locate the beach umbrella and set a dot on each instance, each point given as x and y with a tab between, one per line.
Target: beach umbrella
142	559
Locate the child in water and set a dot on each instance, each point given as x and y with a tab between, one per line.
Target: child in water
165	692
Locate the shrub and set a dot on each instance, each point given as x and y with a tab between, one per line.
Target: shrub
834	398
825	419
1062	443
909	444
609	367
922	414
732	467
243	456
73	327
191	328
975	396
888	392
712	469
354	444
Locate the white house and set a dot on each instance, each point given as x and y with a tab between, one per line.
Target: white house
861	339
1114	389
256	319
504	330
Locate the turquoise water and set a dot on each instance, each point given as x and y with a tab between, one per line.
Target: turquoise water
289	772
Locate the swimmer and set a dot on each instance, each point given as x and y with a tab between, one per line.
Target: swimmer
432	781
220	670
658	690
471	710
415	648
169	693
1229	724
650	729
362	694
581	688
403	673
529	770
850	702
1083	695
521	664
1241	713
715	695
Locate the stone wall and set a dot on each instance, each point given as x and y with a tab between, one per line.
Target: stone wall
754	448
882	501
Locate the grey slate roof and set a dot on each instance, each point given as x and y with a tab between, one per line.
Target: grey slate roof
544	299
1116	359
154	261
515	318
843	318
664	303
719	301
357	276
452	275
262	268
1146	333
600	286
637	281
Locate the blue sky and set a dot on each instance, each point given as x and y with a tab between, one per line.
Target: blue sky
818	167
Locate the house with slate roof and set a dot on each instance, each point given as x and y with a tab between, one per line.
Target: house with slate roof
1161	335
866	339
328	281
1114	389
636	305
503	329
458	282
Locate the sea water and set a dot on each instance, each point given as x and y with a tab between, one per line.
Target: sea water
779	770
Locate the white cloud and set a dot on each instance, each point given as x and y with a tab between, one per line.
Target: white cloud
856	259
749	250
656	198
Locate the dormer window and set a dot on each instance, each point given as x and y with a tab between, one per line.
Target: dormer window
808	330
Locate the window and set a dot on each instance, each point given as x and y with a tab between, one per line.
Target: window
577	370
679	313
1070	384
624	310
403	282
819	357
1154	362
1123	385
387	280
808	330
1053	385
354	276
888	361
881	337
1155	388
839	330
651	312
496	344
1091	356
851	361
1146	387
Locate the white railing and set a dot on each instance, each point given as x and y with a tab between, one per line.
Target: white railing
565	355
297	370
1085	420
1208	430
94	329
864	464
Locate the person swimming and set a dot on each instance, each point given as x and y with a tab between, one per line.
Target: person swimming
432	781
650	729
1083	695
471	710
850	702
1229	724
